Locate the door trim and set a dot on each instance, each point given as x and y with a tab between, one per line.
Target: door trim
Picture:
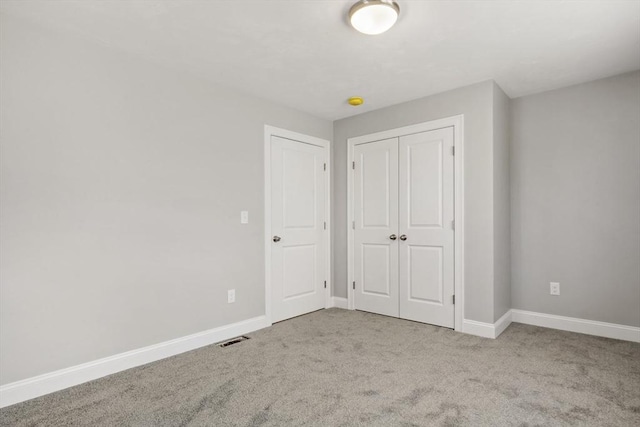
270	131
457	122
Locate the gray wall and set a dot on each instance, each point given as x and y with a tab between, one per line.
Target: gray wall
501	204
475	102
121	187
575	173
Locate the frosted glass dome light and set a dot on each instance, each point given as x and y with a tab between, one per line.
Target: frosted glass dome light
374	16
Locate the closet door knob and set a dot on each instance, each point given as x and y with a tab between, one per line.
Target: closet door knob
403	237
393	237
276	239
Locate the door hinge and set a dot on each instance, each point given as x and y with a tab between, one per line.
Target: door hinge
354	286
454	298
453	151
353	225
453	224
353	165
325	284
325	166
325	225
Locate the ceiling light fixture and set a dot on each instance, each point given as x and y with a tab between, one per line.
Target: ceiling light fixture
374	16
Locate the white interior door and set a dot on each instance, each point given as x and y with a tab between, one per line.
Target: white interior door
426	239
376	227
297	223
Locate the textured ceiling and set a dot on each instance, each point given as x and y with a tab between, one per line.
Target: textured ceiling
303	53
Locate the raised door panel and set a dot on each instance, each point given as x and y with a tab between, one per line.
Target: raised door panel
425	274
424	180
375	188
300	188
376	270
300	270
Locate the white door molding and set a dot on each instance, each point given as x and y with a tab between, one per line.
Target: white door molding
457	122
270	131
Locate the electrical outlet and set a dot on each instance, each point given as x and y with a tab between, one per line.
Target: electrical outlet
244	217
554	288
231	296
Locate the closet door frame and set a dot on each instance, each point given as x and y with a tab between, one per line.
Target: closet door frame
457	123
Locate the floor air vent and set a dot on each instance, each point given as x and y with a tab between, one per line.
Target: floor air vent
233	341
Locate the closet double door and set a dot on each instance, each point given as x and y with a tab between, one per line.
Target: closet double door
403	227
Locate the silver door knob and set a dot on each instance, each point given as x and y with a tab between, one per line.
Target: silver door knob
276	239
393	237
403	237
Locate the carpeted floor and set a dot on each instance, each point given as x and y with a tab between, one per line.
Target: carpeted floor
342	368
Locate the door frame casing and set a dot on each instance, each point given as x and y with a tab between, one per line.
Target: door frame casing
457	123
270	131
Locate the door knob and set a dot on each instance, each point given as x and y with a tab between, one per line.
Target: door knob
403	237
393	237
276	239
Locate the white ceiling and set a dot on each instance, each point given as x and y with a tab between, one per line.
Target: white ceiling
303	53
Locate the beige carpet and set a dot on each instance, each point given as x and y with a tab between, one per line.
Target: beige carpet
342	368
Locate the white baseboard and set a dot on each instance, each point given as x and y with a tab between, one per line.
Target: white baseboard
481	329
339	302
487	330
503	323
572	324
30	388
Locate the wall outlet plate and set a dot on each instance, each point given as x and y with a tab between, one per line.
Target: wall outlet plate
554	288
231	296
244	217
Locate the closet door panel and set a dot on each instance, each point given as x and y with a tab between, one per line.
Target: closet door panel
426	213
376	227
